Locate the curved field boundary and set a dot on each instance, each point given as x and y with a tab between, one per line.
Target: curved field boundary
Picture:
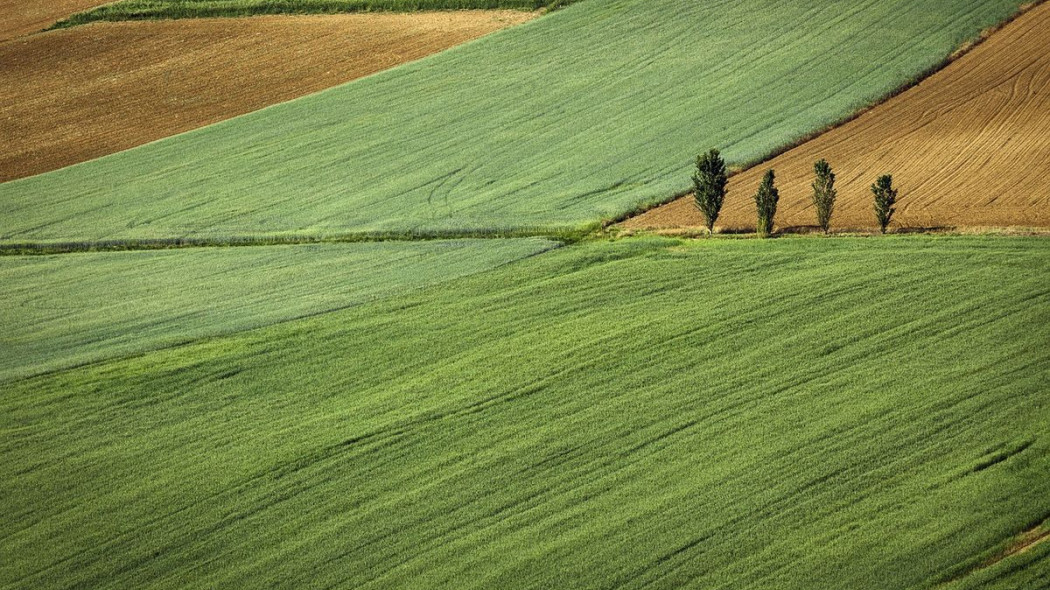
79	94
970	146
22	17
585	114
168	9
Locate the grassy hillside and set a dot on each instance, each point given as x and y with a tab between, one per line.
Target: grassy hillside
1029	570
63	310
155	9
792	413
175	76
582	114
965	152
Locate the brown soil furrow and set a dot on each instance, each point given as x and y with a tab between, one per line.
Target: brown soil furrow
1023	543
968	147
72	95
22	17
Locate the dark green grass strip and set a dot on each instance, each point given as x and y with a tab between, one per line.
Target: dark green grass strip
172	9
564	236
789	414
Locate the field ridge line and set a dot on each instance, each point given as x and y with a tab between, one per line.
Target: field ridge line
564	236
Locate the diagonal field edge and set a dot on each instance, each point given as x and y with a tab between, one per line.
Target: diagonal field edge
580	116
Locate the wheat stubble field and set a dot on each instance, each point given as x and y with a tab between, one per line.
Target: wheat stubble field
970	146
77	94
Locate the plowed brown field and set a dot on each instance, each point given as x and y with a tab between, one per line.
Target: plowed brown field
71	95
21	17
969	147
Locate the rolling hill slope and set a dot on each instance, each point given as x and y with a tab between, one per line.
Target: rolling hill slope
80	94
18	17
970	146
583	114
72	309
780	414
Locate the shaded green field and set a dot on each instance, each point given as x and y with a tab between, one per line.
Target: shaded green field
580	115
791	413
65	310
161	9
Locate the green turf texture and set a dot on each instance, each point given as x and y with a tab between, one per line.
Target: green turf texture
581	115
71	309
1026	571
169	9
801	413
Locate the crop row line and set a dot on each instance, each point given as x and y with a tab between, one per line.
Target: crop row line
566	236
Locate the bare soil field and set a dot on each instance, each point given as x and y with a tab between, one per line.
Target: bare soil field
968	147
76	94
22	17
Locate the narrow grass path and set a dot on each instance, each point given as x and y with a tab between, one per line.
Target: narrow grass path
284	239
788	414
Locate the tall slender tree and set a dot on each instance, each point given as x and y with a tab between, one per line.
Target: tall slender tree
824	193
709	186
766	202
885	199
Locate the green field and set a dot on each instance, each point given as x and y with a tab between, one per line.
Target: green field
580	115
1027	571
70	309
162	9
849	413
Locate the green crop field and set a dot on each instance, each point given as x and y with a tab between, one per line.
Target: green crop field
1028	571
583	114
797	413
805	413
157	9
75	308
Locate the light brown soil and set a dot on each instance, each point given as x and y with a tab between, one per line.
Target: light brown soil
72	95
22	17
968	147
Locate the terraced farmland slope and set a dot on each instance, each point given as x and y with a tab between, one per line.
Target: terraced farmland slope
70	96
71	309
785	414
21	17
583	114
970	146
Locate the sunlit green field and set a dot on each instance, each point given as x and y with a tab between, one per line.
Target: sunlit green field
792	413
74	308
581	115
797	413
